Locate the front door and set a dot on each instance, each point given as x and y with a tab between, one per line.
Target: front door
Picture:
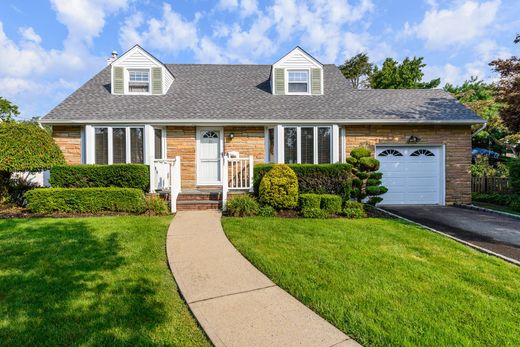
209	155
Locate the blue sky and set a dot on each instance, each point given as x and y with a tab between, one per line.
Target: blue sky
50	48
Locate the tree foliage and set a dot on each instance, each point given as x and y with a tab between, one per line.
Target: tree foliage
367	183
8	110
27	147
508	88
407	75
357	70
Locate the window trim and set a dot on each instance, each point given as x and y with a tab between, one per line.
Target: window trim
298	141
127	84
308	70
164	147
91	142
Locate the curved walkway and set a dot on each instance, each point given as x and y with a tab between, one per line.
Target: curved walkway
236	304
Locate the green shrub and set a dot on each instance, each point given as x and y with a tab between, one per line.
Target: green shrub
510	200
331	203
156	205
310	201
266	211
514	174
360	152
85	200
92	176
314	179
367	182
279	188
354	210
242	206
314	213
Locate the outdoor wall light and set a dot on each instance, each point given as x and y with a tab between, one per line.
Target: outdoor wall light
414	139
231	135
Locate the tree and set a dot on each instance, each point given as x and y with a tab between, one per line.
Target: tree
407	75
7	110
507	89
357	69
25	147
367	180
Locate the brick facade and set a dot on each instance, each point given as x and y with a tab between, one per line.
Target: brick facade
68	138
457	140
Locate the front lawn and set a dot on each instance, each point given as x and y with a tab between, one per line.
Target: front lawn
385	282
90	281
496	207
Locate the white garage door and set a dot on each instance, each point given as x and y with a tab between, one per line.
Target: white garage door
413	175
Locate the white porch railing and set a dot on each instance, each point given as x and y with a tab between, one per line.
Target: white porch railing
237	174
165	175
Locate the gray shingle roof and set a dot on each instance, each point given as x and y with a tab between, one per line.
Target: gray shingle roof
215	93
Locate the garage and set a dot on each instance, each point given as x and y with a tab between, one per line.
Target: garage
414	175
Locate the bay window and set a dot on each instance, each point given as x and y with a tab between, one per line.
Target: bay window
101	145
307	144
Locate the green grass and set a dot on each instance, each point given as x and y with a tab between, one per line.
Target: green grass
90	282
496	207
385	282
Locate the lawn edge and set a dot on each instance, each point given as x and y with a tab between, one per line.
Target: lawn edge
485	209
478	248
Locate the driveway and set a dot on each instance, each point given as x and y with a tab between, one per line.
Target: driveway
498	233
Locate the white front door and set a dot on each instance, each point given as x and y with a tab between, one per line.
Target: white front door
209	150
412	174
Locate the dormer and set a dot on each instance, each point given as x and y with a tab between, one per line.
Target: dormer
137	72
297	73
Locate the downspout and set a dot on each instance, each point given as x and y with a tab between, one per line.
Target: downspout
479	130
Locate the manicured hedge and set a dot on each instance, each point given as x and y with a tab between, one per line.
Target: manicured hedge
317	179
331	203
510	200
310	201
91	176
85	200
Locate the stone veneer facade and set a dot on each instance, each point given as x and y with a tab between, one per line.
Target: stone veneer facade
181	141
68	138
457	140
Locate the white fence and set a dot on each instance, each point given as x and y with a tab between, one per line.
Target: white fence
237	174
165	175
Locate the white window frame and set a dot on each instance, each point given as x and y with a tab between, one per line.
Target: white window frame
308	81
127	86
163	142
333	149
148	148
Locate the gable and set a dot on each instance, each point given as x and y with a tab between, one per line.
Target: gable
297	60
136	58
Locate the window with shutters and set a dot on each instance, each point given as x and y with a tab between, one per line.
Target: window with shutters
139	81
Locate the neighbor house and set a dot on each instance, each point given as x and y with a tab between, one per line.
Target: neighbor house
297	110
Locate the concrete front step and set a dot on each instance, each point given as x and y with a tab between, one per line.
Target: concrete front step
190	205
200	196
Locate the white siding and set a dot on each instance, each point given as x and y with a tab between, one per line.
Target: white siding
297	60
167	80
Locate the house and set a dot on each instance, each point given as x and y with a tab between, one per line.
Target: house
297	110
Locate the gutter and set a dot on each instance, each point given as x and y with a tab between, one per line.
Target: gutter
236	122
479	129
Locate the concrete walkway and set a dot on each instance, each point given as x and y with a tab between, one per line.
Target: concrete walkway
236	304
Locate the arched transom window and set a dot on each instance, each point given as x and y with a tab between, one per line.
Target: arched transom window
422	151
210	134
390	152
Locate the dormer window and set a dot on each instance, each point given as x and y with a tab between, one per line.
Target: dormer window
298	81
139	81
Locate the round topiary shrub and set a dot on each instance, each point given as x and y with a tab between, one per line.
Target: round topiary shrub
360	152
279	188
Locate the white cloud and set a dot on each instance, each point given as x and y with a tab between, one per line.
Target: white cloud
245	7
170	33
460	24
29	35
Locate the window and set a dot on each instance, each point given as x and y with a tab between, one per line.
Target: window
118	145
308	145
298	81
139	81
101	145
424	152
392	152
290	143
158	150
324	145
270	145
136	145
